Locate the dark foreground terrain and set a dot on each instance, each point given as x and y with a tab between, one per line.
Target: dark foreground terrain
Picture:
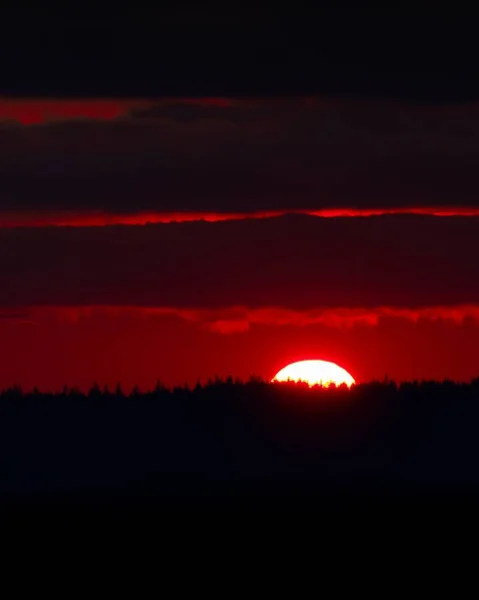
230	454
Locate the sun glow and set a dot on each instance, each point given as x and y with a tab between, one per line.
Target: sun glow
315	372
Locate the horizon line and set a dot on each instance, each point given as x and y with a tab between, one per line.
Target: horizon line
228	380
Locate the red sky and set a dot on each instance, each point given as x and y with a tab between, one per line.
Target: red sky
132	346
143	240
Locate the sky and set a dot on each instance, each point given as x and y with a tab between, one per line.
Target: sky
190	194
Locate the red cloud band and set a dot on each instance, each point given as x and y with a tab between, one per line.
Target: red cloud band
28	111
240	318
103	219
34	111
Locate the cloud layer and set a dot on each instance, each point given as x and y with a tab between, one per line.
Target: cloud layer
239	319
294	261
230	156
103	219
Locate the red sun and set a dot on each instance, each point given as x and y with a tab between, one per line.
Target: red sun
315	372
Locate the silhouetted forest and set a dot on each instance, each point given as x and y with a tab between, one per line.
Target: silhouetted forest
229	438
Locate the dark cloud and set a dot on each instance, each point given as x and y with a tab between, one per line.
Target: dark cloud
191	111
237	156
296	261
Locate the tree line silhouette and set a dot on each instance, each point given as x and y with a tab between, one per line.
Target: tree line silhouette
231	437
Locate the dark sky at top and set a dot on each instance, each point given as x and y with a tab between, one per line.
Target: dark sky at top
222	49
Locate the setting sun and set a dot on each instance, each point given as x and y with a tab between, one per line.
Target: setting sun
315	372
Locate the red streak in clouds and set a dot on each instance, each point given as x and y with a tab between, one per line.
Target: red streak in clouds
103	219
239	319
34	112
